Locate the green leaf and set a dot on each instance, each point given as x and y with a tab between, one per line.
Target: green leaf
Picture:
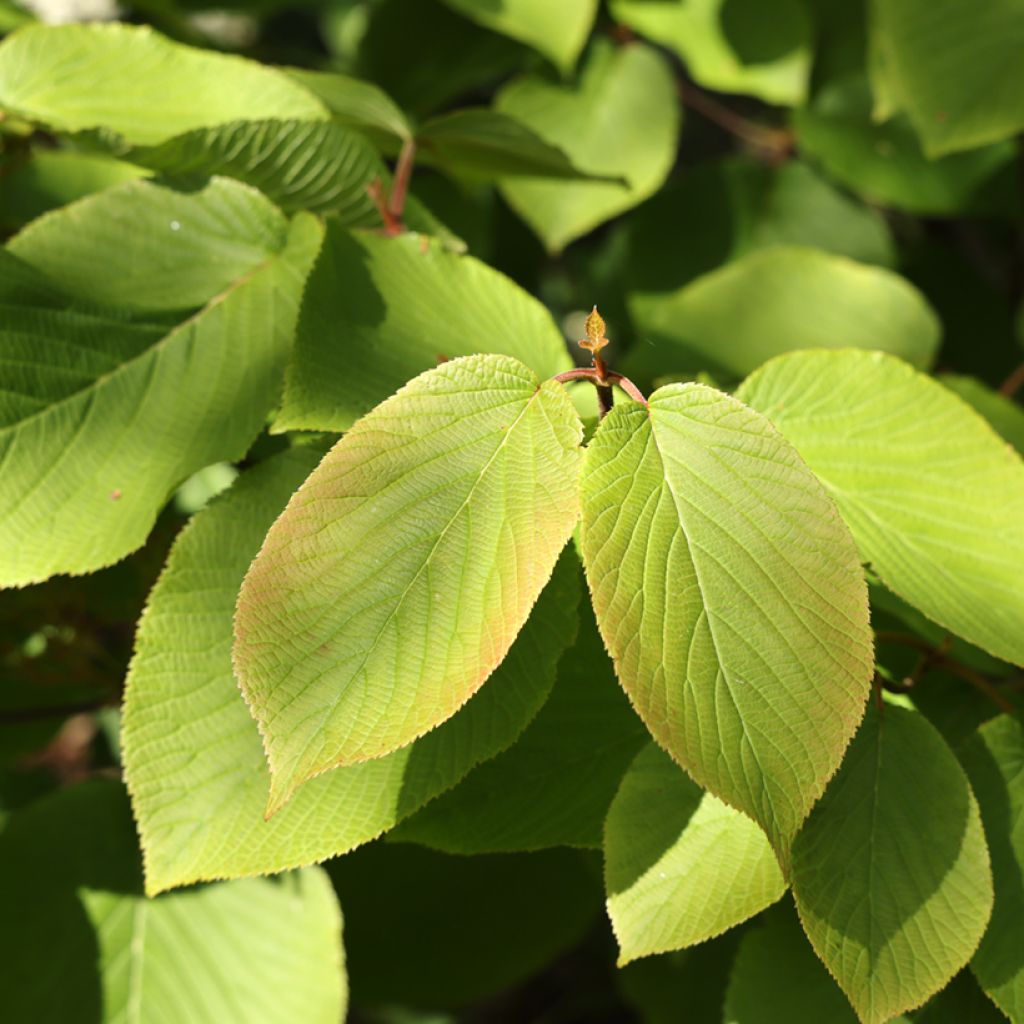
99	426
52	178
736	46
886	164
137	83
409	302
891	872
357	104
680	866
1004	415
553	787
147	246
621	120
192	753
81	943
779	299
955	68
730	207
934	497
685	506
994	760
488	143
401	571
777	979
434	931
300	165
557	30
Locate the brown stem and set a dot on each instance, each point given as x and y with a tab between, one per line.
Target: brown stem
777	142
609	377
1013	383
403	174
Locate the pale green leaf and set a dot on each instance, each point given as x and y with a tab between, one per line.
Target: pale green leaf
730	207
680	866
137	83
300	165
885	163
891	872
553	787
357	104
401	571
147	246
729	593
99	426
488	143
377	311
994	759
737	46
955	67
1004	414
777	979
557	30
620	120
56	177
80	942
934	497
193	757
779	299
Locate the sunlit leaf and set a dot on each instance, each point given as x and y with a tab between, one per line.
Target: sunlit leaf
729	593
680	866
891	871
935	498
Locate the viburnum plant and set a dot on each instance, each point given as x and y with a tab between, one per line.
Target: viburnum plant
739	604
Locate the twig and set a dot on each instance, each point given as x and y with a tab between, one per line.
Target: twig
1013	383
611	377
777	142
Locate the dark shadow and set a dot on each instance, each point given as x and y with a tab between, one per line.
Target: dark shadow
759	32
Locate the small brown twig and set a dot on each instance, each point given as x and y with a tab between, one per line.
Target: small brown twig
391	206
1013	383
776	143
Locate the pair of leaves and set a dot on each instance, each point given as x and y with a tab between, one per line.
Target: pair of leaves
400	572
81	942
107	412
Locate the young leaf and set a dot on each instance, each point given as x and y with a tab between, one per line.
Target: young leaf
80	942
955	68
729	594
680	866
779	299
620	121
407	302
192	753
492	144
145	246
891	872
740	46
557	30
553	787
94	448
300	165
934	497
994	760
400	573
137	83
